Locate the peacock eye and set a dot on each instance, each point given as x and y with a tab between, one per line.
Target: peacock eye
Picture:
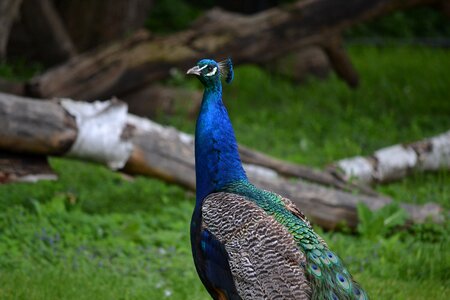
209	68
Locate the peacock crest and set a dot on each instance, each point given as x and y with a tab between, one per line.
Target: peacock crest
226	70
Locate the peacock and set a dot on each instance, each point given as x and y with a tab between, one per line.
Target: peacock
248	243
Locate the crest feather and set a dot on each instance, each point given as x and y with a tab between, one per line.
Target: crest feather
226	70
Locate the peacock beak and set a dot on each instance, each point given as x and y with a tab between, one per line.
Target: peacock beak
195	71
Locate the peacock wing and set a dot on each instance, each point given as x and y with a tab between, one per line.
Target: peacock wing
264	259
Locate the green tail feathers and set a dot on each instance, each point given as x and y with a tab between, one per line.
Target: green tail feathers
329	278
327	275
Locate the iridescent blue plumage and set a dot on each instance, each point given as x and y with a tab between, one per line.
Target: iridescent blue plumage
216	155
217	163
248	243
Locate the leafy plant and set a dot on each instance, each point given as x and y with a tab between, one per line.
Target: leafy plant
171	15
19	69
430	232
379	223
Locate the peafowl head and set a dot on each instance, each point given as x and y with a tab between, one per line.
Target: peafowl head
209	72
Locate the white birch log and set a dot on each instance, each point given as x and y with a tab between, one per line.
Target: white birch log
100	126
395	162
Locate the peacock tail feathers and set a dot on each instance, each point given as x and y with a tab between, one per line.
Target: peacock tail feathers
328	277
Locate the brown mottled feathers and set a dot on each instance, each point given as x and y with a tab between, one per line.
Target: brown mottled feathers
264	259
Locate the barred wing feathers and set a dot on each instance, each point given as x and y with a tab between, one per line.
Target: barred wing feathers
264	258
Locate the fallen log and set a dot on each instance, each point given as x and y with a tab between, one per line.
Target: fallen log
396	162
43	128
298	171
58	134
126	66
104	132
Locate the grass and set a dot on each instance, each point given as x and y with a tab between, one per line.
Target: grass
96	235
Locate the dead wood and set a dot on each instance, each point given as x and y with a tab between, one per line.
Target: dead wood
12	87
95	22
8	12
126	66
396	162
298	171
47	32
24	168
157	99
444	6
52	31
36	128
340	61
302	64
105	133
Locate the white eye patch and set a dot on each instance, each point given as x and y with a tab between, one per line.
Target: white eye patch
212	72
202	67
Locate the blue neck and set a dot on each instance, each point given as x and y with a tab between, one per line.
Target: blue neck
217	160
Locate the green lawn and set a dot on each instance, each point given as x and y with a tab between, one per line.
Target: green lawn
95	235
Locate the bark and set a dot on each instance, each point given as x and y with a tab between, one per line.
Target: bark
127	66
444	6
47	31
156	100
340	61
395	162
36	128
247	6
52	31
12	87
92	23
97	74
24	168
301	64
8	12
139	146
